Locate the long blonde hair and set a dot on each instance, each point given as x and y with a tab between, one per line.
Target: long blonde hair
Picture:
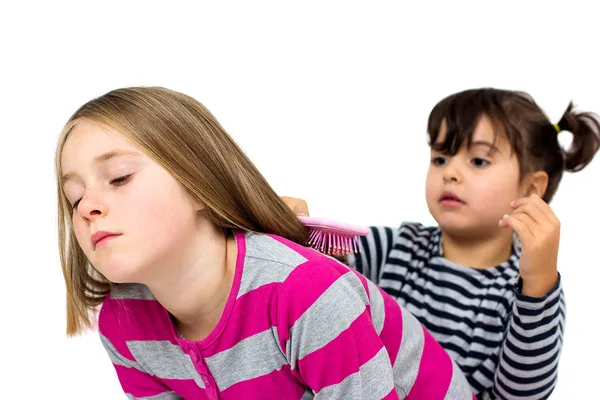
183	137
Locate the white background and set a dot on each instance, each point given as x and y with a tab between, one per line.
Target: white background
329	99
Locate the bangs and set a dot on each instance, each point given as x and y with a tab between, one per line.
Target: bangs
460	113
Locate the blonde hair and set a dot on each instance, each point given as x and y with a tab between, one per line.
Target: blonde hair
183	137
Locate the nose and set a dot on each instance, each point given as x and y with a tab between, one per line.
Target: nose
451	173
91	207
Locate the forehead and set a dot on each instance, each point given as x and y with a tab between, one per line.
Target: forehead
87	140
484	131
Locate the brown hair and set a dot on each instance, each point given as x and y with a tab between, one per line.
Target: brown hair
182	136
532	136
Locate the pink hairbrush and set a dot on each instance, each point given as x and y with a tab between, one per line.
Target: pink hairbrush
333	237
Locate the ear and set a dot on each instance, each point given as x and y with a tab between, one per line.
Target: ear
535	183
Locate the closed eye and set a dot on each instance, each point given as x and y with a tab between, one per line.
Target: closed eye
120	181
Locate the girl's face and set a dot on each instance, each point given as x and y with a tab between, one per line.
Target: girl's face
468	193
116	190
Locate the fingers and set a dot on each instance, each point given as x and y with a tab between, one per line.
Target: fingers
532	218
531	209
521	224
298	206
538	210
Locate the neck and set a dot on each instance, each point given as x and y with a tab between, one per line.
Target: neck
478	251
195	291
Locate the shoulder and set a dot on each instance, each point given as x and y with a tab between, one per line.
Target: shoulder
298	262
284	268
273	249
127	308
406	233
415	237
321	284
415	230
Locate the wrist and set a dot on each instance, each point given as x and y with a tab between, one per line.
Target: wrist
538	285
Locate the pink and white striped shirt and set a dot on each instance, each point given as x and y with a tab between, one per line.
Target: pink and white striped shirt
297	325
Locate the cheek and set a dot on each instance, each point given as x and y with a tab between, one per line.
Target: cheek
434	186
431	187
161	217
498	191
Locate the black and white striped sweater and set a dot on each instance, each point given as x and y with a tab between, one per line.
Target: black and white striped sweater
507	344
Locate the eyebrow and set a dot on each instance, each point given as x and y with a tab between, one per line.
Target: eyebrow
101	159
438	146
487	144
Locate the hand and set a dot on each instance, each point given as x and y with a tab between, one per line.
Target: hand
539	231
298	206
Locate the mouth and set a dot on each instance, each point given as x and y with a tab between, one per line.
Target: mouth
449	198
101	237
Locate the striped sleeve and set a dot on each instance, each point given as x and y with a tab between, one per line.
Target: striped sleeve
374	249
325	332
136	383
530	353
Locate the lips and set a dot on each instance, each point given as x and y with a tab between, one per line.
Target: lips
101	237
450	198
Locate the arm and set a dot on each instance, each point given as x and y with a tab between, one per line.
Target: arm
529	357
136	383
374	249
326	333
531	350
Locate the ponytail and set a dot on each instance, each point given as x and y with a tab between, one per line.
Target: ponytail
585	127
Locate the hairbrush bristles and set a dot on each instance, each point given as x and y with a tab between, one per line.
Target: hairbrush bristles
333	237
333	243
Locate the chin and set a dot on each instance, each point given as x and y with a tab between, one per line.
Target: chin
456	223
119	272
468	228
